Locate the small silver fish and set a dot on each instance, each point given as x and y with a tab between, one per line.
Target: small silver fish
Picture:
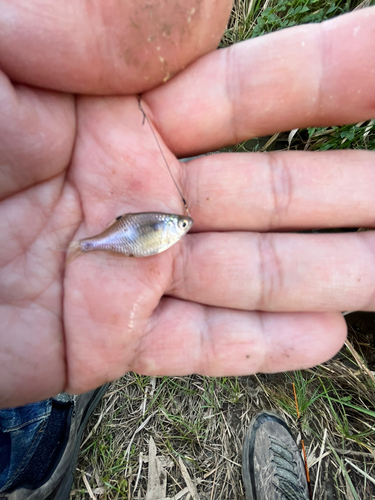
136	235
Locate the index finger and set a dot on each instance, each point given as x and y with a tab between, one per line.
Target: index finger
310	75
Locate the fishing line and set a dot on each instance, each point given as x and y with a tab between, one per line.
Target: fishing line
145	117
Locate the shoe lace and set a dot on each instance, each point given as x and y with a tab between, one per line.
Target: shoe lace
288	484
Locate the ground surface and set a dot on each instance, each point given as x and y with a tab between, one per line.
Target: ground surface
203	420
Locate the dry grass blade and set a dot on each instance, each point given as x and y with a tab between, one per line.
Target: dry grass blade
359	361
139	472
351	493
362	5
157	478
189	483
270	142
292	133
317	479
142	426
88	487
364	474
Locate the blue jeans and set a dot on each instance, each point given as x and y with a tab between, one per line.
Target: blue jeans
21	430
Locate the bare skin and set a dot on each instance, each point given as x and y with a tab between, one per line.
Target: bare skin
239	294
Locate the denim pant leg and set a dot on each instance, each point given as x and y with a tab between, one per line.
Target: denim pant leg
21	430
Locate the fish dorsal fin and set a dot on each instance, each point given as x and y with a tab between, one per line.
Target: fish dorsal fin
113	221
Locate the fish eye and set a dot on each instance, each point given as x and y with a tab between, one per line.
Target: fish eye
183	224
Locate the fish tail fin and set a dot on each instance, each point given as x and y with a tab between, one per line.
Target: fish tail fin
74	250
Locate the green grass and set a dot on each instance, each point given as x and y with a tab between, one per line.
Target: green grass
358	136
252	18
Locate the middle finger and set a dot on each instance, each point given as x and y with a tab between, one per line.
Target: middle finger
281	190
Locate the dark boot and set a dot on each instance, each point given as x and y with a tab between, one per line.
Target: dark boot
272	466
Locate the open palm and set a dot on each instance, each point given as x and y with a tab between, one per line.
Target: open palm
230	297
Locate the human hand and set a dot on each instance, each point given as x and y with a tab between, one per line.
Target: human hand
226	299
51	143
